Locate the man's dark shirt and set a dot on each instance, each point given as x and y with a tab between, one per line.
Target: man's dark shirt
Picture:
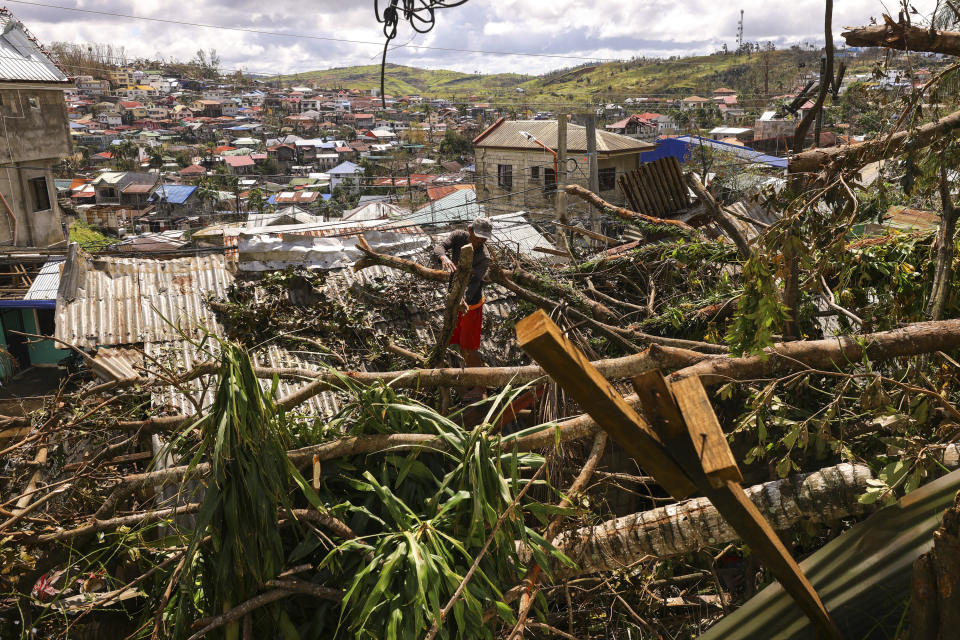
481	262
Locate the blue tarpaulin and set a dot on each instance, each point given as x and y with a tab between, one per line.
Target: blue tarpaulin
682	147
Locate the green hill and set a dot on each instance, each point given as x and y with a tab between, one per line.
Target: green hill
401	80
770	72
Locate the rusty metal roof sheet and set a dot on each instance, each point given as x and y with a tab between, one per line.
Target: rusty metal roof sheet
182	356
507	134
115	365
111	301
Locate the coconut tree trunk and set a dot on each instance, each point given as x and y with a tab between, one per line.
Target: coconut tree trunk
676	529
935	607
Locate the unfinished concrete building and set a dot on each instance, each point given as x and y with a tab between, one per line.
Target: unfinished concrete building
34	137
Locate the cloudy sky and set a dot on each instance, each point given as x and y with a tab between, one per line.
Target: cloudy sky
290	34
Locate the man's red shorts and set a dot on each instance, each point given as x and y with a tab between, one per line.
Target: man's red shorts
469	324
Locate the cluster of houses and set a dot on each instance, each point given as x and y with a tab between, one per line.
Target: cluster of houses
199	181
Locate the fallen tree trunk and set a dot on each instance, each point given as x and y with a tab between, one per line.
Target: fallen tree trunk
829	353
614	368
824	495
674	226
846	157
904	37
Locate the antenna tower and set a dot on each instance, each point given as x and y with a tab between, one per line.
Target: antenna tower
740	32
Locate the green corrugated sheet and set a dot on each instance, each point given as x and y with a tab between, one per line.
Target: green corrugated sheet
862	576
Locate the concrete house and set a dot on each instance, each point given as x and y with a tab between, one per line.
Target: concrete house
694	102
508	161
347	174
127	189
36	135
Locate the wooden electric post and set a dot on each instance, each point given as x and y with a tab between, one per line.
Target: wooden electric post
562	166
594	183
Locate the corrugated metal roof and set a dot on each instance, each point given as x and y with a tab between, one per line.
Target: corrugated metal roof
47	282
172	193
273	251
137	188
114	365
345	168
238	161
111	301
109	177
183	356
512	231
21	58
506	134
298	197
376	211
459	206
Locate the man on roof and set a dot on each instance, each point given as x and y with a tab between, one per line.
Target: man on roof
468	332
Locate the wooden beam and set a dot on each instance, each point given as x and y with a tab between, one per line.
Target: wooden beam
727	495
541	338
659	407
553	252
734	505
706	434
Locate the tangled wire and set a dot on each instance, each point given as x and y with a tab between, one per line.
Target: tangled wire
419	13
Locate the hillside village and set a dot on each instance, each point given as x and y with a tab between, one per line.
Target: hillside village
637	349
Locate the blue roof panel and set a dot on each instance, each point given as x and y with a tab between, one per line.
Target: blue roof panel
682	146
172	193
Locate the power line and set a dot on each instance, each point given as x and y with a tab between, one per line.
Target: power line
302	35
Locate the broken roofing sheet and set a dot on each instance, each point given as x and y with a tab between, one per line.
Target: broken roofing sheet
105	301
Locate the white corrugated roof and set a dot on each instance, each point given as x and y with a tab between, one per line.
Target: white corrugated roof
21	58
47	282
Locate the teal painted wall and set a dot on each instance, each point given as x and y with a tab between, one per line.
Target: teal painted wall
43	352
6	365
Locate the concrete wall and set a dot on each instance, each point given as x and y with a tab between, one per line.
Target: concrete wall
527	192
34	135
35	125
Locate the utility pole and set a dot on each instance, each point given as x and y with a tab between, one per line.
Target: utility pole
562	166
594	183
823	78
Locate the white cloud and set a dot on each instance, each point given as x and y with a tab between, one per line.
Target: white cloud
612	29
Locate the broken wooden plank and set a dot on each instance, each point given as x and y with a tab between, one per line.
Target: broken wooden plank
541	338
706	434
661	405
732	502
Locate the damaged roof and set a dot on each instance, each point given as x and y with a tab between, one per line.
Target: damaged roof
22	59
106	301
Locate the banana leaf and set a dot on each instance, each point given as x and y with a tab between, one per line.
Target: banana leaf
863	576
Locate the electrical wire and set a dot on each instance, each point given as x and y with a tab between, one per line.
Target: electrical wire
303	35
421	14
